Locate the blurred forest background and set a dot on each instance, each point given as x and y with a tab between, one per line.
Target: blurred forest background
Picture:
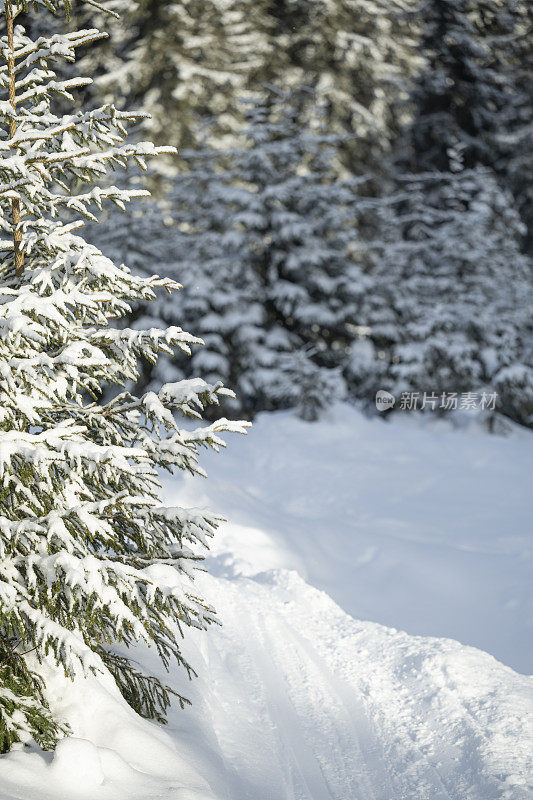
351	206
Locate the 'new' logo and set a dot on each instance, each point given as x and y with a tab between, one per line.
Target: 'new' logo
384	400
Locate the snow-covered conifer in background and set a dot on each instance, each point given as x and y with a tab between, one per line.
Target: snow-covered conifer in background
196	230
89	557
449	310
458	94
269	234
309	388
180	60
310	259
186	61
512	61
358	55
475	87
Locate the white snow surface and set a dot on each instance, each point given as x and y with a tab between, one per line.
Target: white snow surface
419	526
409	522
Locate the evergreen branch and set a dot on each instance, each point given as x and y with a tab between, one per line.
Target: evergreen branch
146	694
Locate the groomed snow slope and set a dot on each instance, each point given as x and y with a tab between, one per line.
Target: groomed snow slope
307	703
296	700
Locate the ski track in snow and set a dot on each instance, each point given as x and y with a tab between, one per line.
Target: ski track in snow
322	707
296	699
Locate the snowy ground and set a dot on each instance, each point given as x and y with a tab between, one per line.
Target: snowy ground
414	525
419	527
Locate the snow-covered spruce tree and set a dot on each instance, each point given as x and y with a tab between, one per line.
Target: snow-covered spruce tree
270	236
213	239
467	84
359	55
185	61
449	309
180	60
214	242
306	386
475	87
311	257
207	242
513	56
89	557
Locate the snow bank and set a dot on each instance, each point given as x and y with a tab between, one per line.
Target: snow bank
112	755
